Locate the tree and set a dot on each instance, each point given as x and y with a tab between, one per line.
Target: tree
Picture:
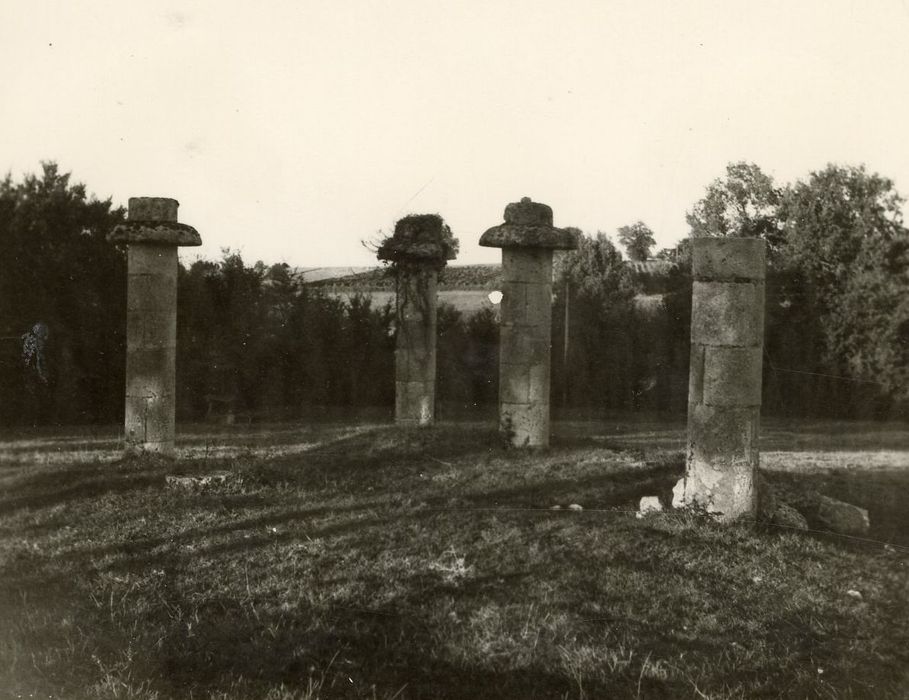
637	240
844	232
746	203
594	270
591	324
57	269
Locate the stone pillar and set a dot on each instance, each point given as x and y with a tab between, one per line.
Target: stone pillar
527	239
421	245
724	392
415	351
152	235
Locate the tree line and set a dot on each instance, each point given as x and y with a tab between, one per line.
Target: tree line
254	341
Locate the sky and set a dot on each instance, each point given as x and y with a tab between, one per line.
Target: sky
292	131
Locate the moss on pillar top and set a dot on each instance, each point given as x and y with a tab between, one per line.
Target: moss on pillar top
153	220
419	240
528	225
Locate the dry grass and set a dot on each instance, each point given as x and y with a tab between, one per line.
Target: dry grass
340	561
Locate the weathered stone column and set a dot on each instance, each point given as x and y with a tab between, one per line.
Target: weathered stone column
527	239
152	235
724	392
420	247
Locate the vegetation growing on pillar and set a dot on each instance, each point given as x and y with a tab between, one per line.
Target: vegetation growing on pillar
419	240
422	244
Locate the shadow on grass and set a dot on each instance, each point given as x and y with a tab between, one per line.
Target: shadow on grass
302	525
406	645
355	653
355	456
56	485
342	459
612	490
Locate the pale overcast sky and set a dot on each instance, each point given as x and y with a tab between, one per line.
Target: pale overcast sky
292	130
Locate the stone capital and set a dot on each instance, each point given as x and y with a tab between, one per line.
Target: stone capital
155	233
528	225
153	221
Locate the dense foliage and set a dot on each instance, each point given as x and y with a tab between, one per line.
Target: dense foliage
254	341
61	302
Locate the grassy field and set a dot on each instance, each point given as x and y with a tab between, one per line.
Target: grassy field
358	561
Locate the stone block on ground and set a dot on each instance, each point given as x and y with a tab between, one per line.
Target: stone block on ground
842	518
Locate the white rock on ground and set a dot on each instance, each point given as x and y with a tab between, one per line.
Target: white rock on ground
678	494
649	504
196	481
